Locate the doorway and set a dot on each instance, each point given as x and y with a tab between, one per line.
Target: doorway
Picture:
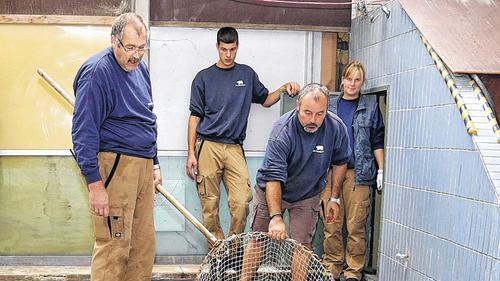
373	222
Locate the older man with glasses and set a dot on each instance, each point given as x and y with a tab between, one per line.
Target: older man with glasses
114	137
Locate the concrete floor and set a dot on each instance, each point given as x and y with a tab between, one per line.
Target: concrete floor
82	273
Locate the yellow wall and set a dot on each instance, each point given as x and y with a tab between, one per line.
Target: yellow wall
32	114
43	201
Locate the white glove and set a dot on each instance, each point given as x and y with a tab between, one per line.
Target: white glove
380	179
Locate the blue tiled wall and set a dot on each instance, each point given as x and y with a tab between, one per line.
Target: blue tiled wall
439	206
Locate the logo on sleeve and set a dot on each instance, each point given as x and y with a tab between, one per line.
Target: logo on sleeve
240	83
319	149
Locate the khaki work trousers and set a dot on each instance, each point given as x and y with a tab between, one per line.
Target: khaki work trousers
354	203
303	216
216	162
124	248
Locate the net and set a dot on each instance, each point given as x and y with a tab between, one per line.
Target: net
255	256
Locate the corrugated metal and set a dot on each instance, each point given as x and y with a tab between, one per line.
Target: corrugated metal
463	32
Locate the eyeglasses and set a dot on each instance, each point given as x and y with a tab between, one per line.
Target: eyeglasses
132	49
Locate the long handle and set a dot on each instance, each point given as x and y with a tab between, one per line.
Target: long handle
210	237
56	86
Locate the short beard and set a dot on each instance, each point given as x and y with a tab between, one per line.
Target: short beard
309	130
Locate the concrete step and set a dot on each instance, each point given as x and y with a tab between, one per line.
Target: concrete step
82	273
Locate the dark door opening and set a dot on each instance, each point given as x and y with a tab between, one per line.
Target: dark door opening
374	215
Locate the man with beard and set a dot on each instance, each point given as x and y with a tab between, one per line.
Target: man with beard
304	145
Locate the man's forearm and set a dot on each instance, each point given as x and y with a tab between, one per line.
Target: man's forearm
338	175
291	88
274	97
273	197
192	125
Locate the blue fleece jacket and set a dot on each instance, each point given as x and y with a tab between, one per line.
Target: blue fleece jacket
113	112
300	160
222	99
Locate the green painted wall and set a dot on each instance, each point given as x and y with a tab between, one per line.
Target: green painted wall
43	207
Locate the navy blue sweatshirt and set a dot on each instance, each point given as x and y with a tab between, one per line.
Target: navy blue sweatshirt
222	99
300	160
346	110
113	112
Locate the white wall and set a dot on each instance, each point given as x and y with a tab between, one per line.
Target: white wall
178	53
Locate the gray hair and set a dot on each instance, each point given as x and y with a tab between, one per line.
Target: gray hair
316	90
121	21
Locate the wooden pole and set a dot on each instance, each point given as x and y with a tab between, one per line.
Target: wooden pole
329	60
56	86
210	237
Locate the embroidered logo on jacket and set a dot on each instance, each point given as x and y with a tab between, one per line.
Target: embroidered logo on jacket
319	149
240	83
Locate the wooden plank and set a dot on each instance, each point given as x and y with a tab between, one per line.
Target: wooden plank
230	11
63	20
329	60
249	26
64	7
55	19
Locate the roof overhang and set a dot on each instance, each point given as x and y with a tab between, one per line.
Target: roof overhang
464	33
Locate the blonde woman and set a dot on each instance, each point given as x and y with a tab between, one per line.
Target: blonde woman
363	119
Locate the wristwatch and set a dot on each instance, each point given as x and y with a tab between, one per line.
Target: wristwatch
271	216
336	200
156	166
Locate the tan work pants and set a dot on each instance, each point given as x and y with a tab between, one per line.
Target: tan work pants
124	247
303	216
354	203
218	161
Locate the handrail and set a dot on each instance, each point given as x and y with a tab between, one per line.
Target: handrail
455	93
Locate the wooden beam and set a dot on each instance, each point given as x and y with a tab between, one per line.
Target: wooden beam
56	19
329	60
249	26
